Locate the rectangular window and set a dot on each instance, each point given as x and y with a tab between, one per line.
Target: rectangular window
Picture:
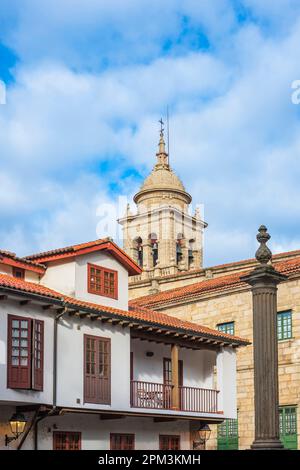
19	273
97	369
102	281
284	325
66	440
122	442
169	442
288	426
226	327
167	371
25	351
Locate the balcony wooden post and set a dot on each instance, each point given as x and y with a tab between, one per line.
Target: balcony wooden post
175	376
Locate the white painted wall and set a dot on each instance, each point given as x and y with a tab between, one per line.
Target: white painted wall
106	260
96	433
226	379
26	396
60	276
29	275
5	269
198	365
71	362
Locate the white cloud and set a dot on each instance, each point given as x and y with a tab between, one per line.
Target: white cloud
234	130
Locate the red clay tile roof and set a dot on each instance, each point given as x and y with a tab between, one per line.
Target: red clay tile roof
232	264
66	249
30	287
7	257
218	284
88	247
135	313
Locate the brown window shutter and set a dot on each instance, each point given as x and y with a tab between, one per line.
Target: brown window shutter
66	440
38	355
97	369
19	352
122	441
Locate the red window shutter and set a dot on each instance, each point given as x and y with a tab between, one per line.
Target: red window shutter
169	442
97	370
122	441
19	352
66	440
38	355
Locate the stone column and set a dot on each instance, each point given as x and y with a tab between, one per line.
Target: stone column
264	280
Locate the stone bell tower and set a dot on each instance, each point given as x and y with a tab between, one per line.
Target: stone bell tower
161	236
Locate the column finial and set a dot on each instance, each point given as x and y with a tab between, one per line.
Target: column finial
263	253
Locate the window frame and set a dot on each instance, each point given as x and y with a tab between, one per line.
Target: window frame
102	270
121	435
67	433
15	269
35	375
169	437
99	400
227	323
281	314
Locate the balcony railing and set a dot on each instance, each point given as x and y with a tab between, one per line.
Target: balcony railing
200	400
159	396
151	395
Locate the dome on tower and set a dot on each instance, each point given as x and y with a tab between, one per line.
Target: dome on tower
162	180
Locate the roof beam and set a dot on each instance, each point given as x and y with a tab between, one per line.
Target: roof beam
168	339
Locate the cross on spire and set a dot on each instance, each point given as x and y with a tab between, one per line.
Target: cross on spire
161	126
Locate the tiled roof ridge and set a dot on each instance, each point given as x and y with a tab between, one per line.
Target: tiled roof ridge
13	256
143	314
69	248
206	285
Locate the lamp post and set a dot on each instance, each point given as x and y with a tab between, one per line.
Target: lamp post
263	281
204	434
17	425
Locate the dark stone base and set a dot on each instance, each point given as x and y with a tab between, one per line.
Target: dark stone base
267	444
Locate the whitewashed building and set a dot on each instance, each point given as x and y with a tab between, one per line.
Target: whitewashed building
87	372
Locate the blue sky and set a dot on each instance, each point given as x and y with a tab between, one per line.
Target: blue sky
87	81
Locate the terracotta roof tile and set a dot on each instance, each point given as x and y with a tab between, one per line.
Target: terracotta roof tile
7	256
88	247
25	286
222	283
67	249
134	313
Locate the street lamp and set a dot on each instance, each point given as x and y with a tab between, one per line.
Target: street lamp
17	425
203	434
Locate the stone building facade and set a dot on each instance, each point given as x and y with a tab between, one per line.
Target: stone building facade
216	297
162	236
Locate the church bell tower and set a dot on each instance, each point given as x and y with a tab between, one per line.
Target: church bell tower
162	236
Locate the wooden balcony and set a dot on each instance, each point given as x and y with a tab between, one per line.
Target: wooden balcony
159	396
151	395
199	400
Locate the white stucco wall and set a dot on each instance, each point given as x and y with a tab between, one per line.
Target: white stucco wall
60	276
106	260
226	380
5	269
26	396
95	433
198	365
70	380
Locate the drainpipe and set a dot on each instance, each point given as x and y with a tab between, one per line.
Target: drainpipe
56	320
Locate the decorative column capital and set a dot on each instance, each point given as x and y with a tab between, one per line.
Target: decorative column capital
265	274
